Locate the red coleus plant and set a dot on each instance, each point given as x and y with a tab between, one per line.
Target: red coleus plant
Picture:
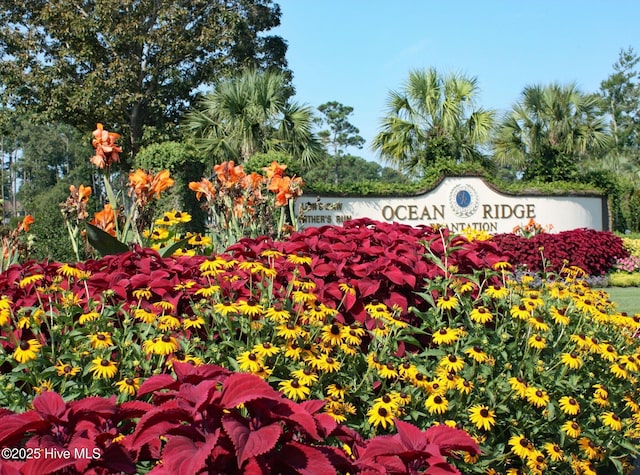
74	437
593	251
215	421
412	451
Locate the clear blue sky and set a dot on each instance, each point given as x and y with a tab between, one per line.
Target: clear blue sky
356	51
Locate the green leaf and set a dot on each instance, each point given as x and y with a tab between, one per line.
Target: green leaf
169	250
104	242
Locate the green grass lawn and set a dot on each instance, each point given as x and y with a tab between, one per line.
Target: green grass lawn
627	298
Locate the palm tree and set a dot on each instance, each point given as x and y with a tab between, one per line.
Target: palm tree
550	131
433	118
250	114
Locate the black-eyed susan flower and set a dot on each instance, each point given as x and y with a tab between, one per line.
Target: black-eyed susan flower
482	417
387	401
464	386
452	363
164	345
496	292
388	371
607	351
334	334
407	370
436	404
554	451
250	307
328	364
590	450
537	462
199	240
559	316
27	350
446	336
569	405
572	429
447	302
377	309
144	315
481	315
226	307
101	340
537	341
571	360
477	354
347	289
293	351
289	331
521	446
277	313
611	420
265	350
420	380
537	397
538	323
249	361
70	271
619	370
169	322
299	258
519	385
31	279
102	368
66	369
630	362
520	312
88	317
294	390
380	416
128	385
339	410
305	376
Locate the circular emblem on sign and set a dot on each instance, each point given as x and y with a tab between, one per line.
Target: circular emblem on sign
464	200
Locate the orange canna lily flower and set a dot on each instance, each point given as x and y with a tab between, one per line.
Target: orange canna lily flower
26	223
107	152
203	187
105	220
229	174
145	185
275	169
285	188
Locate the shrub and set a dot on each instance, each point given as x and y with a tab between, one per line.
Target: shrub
595	252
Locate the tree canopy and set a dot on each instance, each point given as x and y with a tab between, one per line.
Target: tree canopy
127	63
433	118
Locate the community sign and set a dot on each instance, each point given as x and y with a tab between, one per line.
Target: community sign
459	203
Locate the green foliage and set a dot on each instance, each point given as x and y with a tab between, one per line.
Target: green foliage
252	113
52	239
143	59
617	279
433	118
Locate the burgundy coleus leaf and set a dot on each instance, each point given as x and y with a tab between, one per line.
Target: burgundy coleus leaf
183	455
89	407
157	423
48	465
295	457
367	287
200	395
186	373
250	442
451	439
156	383
14	427
50	405
240	388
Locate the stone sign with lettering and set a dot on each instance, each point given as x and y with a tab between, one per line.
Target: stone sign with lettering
460	202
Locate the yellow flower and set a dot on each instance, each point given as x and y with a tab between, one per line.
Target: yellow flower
101	340
452	363
278	313
521	446
611	420
250	307
447	302
299	259
225	307
571	360
249	361
554	451
482	417
572	429
446	336
560	316
164	345
607	351
168	322
264	350
464	386
496	292
128	385
436	404
537	341
103	369
481	315
328	364
477	354
591	450
199	240
27	350
619	371
537	397
294	390
67	370
88	317
380	416
569	405
30	280
521	312
305	376
193	321
69	271
519	385
144	315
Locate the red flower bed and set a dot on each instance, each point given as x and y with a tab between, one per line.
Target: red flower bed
593	251
214	421
379	261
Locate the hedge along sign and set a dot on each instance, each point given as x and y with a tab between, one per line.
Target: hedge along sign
461	202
